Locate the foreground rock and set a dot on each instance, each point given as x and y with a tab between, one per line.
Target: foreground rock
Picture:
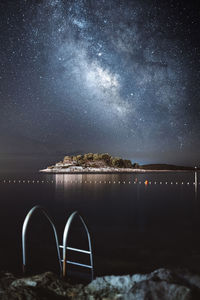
161	284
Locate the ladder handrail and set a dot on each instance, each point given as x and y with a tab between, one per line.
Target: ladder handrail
65	238
24	231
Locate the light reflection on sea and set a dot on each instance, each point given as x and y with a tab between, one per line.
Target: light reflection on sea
134	226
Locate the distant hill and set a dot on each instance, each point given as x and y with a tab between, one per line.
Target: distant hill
164	167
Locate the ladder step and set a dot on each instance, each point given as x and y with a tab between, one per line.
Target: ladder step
78	264
76	249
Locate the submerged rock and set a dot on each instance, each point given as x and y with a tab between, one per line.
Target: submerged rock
161	284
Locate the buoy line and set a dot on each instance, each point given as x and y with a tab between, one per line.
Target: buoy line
146	182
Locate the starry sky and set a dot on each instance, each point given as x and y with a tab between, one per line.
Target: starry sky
111	76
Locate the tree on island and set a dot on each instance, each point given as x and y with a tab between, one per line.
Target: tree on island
98	160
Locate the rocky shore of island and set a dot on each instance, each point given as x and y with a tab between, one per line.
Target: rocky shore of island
88	170
105	163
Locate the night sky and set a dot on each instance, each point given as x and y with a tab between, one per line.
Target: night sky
100	76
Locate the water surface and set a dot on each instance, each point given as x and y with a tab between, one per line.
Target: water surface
135	227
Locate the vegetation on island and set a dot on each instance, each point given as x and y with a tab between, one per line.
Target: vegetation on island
98	160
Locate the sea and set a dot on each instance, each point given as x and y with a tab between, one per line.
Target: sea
137	222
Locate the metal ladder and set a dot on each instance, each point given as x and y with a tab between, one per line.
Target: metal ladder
62	261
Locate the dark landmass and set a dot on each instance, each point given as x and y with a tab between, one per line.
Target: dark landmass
165	167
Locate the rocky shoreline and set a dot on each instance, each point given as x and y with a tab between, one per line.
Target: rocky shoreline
104	171
81	170
160	284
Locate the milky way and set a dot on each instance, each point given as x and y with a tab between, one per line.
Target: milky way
112	76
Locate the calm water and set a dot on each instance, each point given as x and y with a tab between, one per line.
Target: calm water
134	227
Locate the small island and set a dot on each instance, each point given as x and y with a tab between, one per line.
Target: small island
92	163
105	163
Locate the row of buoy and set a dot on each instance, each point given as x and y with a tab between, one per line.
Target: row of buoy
26	181
146	182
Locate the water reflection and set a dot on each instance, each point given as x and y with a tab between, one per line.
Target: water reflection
84	188
67	180
196	184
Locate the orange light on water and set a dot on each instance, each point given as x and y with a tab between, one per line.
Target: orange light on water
146	182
